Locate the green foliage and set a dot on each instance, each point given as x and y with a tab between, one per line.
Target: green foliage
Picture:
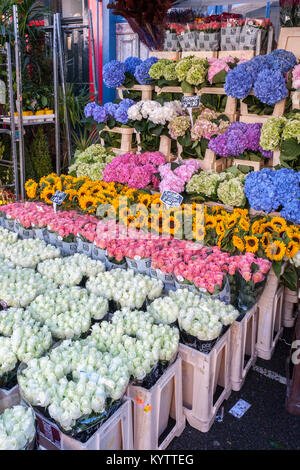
41	158
290	154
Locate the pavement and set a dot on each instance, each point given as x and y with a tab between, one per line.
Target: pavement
266	425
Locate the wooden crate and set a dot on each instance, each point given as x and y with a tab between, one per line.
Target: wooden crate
9	398
257	166
240	54
289	300
270	326
231	104
172	89
243	350
126	139
247	117
145	89
114	434
152	409
172	55
210	162
201	374
289	39
164	146
200	54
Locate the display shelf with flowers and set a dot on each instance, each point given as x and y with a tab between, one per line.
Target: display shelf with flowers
130	78
263	77
150	120
193	138
113	124
240	145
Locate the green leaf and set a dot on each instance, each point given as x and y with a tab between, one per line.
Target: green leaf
220	77
186	87
276	265
290	149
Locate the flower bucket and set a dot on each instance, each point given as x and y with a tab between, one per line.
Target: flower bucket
9	224
2	219
84	247
41	234
52	238
167	278
223	296
230	38
141	266
25	233
171	42
99	255
208	41
66	248
195	343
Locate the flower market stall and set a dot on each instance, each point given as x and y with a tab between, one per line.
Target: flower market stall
173	250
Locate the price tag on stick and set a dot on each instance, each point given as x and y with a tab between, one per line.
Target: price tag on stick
58	198
190	102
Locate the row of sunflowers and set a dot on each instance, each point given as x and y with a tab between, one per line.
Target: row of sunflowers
234	232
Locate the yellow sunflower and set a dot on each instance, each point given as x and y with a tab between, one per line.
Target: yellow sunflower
87	203
231	221
267	227
266	240
47	194
220	239
210	222
276	250
220	228
251	244
145	199
124	213
241	212
157	222
292	249
31	190
171	225
278	223
294	237
72	193
199	232
238	243
255	227
244	224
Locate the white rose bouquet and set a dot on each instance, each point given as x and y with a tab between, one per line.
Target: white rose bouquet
125	288
67	312
70	270
17	428
28	253
20	286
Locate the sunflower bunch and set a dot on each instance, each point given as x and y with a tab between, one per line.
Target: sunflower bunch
268	237
82	192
